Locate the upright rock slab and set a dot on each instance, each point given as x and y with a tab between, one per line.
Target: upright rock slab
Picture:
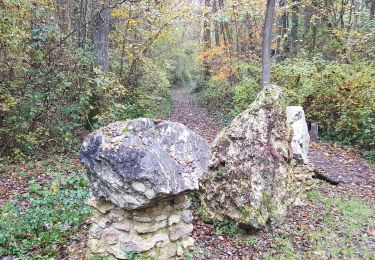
303	172
301	137
136	163
250	175
139	172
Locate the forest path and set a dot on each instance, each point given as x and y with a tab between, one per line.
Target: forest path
197	118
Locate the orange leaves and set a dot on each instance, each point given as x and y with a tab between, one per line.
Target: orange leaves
221	61
223	73
210	53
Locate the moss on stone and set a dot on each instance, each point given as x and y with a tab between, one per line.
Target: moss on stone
246	213
204	215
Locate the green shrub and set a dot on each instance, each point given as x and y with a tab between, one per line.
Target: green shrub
341	97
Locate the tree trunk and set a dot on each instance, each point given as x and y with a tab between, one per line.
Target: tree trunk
207	37
295	26
63	15
216	24
353	28
100	39
267	39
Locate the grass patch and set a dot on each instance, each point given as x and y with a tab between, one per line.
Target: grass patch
342	234
337	231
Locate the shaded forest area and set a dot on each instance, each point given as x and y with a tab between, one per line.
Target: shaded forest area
70	67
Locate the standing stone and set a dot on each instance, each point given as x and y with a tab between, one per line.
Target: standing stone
250	174
301	137
138	162
302	170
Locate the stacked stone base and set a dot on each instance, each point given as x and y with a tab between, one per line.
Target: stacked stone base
158	232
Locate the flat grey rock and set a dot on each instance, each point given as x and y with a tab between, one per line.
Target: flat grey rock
136	163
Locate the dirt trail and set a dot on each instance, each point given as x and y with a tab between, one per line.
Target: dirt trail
195	117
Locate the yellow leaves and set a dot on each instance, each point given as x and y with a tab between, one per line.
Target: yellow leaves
6	102
223	73
212	52
120	13
54	188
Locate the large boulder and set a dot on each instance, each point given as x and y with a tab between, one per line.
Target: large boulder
301	137
250	175
136	163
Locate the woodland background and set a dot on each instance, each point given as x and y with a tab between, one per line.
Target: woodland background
69	67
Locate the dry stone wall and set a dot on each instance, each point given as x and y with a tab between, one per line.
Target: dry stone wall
158	232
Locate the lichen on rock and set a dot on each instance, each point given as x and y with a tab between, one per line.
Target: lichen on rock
135	163
251	178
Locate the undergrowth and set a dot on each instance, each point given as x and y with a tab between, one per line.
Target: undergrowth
51	217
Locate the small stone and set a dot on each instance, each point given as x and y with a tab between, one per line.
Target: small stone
136	244
117	215
138	186
180	251
148	228
150	194
298	203
96	246
124	225
110	235
166	252
101	205
173	219
180	230
187	242
187	216
143	219
181	202
95	231
102	220
161	217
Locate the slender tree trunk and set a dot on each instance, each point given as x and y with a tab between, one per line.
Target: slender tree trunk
267	39
295	27
216	24
63	15
353	28
237	31
207	37
372	9
307	21
100	38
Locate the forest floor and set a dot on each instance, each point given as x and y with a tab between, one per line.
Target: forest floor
334	222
